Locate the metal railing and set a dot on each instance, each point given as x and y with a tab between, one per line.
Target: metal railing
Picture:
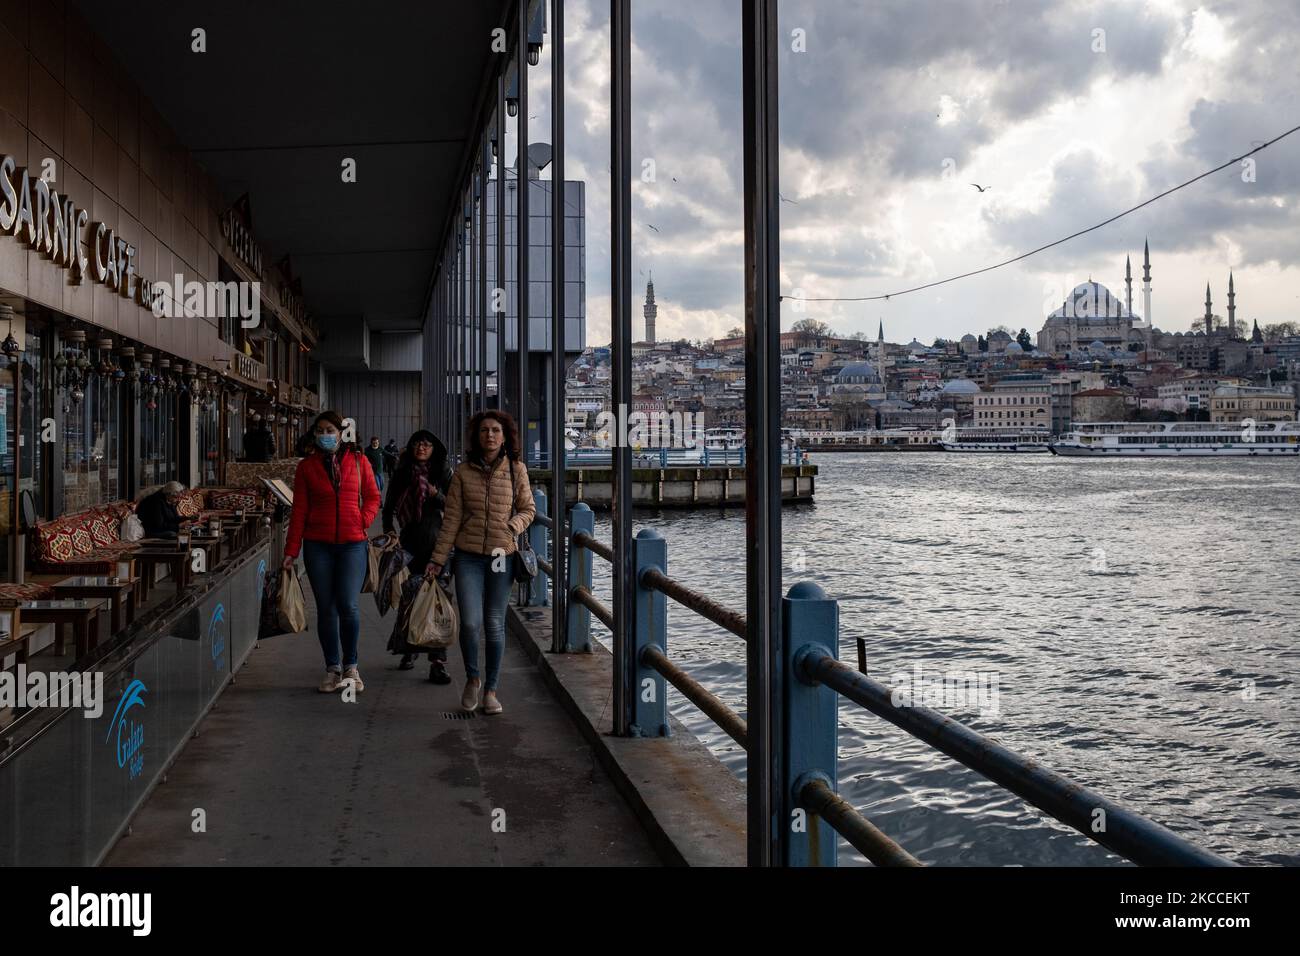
662	458
816	679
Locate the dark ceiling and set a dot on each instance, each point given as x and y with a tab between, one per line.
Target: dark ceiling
286	91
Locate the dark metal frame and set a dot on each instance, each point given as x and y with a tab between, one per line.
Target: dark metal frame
768	806
560	574
620	53
521	233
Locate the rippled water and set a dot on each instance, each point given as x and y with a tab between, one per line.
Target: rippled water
1141	618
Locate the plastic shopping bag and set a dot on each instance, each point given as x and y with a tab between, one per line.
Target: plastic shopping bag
284	609
374	551
434	621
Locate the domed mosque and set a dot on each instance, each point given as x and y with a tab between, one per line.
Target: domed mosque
1093	316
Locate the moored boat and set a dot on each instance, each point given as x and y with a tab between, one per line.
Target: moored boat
1180	440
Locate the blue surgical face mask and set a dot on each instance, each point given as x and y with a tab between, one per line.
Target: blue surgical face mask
327	442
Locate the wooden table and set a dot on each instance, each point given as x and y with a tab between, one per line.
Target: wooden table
19	645
121	591
176	559
81	613
212	548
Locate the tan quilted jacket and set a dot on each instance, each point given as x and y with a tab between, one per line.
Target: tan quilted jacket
477	517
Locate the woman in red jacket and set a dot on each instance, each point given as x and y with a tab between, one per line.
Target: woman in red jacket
335	499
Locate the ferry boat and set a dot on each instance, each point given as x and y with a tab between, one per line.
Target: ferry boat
997	440
724	439
1180	440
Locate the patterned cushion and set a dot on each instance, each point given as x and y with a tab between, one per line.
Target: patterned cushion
232	500
116	547
54	542
102	527
190	505
82	542
119	510
26	592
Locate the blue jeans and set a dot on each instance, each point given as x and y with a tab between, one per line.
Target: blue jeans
336	572
481	597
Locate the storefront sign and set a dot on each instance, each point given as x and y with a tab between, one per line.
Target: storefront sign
34	213
242	242
247	367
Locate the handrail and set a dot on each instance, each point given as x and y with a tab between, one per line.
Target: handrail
1123	831
863	835
724	617
545	565
581	595
1127	833
732	724
544	520
584	540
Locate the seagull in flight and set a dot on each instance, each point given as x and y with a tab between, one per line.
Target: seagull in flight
783	199
655	228
981	188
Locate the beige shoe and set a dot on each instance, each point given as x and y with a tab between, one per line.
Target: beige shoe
354	675
330	682
469	696
490	703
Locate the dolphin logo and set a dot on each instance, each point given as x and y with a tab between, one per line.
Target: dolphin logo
131	697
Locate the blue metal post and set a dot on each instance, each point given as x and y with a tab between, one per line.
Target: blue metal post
648	708
537	538
663	457
811	625
581	518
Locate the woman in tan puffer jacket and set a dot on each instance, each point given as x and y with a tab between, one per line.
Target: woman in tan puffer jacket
489	504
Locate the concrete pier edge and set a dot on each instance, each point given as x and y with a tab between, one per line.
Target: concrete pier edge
690	804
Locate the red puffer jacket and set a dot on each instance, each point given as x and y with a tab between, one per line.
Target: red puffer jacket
319	514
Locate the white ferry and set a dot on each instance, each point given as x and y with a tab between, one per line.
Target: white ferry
997	440
1180	440
724	439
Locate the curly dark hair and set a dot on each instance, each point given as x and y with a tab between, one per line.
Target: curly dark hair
475	450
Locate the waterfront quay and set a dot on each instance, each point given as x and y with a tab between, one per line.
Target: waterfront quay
680	486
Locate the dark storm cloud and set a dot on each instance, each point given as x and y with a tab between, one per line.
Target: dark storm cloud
874	73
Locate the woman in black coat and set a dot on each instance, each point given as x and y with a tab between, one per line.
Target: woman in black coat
416	497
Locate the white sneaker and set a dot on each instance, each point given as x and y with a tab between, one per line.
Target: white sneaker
330	682
353	676
469	696
490	703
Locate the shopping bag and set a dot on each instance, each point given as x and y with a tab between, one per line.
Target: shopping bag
132	528
283	608
396	585
434	620
392	574
291	608
374	551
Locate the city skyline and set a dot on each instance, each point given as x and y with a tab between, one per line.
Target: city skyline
1062	126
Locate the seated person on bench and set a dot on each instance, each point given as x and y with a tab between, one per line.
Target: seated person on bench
158	513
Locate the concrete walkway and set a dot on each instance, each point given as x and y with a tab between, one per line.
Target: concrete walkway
287	776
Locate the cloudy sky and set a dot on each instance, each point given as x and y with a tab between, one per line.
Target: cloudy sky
1069	111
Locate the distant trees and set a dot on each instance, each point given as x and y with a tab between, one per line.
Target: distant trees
1280	330
812	327
1025	341
982	343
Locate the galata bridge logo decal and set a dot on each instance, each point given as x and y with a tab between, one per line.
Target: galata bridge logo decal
217	634
129	734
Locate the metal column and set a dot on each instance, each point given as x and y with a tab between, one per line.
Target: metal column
769	806
521	230
559	594
484	159
500	271
620	52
